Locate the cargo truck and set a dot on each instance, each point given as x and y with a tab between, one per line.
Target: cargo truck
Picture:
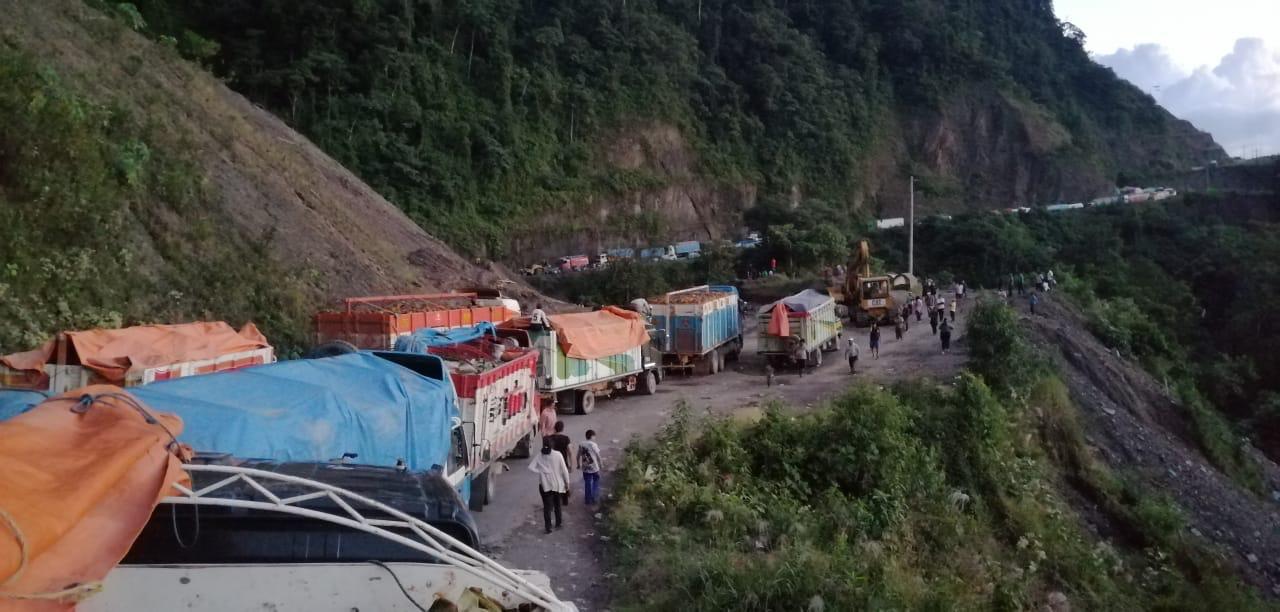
131	522
588	354
369	408
376	322
700	328
806	321
134	356
494	379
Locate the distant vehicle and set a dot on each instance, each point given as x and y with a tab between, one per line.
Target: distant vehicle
891	222
746	244
660	253
700	327
689	249
376	322
572	263
622	253
601	260
1062	207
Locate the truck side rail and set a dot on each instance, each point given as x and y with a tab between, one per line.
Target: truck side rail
425	538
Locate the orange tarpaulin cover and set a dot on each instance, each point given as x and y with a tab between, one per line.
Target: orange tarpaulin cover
76	488
593	335
113	353
779	322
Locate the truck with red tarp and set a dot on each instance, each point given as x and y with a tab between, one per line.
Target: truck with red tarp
133	356
805	322
375	322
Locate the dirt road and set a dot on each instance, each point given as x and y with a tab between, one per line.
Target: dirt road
511	527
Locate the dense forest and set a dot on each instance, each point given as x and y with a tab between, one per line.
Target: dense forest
475	116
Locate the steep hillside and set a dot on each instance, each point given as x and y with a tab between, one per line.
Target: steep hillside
144	189
516	130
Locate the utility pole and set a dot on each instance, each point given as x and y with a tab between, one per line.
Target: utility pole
911	229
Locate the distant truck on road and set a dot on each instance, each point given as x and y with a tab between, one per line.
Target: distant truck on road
806	321
574	263
661	253
376	322
690	249
699	328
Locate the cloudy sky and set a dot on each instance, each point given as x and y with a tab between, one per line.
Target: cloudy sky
1213	62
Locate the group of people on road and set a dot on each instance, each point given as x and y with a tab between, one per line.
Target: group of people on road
1044	282
942	318
552	465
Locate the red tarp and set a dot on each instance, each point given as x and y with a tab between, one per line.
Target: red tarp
113	353
76	488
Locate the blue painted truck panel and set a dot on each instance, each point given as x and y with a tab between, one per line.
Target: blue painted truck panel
697	321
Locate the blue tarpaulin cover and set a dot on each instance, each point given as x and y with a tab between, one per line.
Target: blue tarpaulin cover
17	401
426	338
315	410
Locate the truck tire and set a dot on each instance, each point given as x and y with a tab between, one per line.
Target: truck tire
586	402
649	384
566	403
733	355
332	349
720	360
480	490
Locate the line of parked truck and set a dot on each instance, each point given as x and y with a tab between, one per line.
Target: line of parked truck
438	388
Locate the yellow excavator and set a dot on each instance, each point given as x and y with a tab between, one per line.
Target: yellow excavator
871	298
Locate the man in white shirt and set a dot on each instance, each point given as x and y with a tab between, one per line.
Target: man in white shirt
553	481
538	318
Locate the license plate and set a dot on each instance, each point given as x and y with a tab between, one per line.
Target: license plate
876	303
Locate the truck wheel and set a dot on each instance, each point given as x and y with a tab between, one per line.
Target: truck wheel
332	349
736	352
649	384
586	402
566	403
480	491
720	359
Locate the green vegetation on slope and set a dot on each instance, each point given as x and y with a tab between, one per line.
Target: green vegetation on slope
1177	286
106	224
475	116
923	497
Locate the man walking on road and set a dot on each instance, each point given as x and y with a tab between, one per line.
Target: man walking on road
919	308
591	464
953	310
798	355
897	327
875	341
562	444
945	335
851	353
1035	299
933	320
553	481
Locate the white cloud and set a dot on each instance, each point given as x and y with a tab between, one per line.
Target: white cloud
1238	101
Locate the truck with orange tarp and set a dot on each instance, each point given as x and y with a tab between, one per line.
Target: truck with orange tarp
587	354
133	356
376	322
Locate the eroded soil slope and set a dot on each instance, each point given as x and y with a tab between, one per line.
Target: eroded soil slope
272	185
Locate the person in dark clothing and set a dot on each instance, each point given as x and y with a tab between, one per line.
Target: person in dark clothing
562	444
944	332
906	317
933	320
875	341
898	328
1034	300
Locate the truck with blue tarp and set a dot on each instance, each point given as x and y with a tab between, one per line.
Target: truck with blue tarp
370	408
700	327
802	324
495	382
